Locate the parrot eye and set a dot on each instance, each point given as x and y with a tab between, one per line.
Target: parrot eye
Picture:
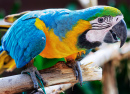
100	20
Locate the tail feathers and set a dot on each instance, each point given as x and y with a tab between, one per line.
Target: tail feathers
6	62
3	55
4	27
13	17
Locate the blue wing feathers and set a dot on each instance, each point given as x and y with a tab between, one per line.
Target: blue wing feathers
1	49
24	42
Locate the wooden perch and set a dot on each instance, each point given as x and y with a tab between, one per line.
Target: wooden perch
61	74
58	74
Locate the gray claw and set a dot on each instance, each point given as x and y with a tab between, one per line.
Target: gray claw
75	72
34	79
78	72
33	71
38	74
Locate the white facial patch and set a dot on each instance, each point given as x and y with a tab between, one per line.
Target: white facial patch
96	35
99	30
117	19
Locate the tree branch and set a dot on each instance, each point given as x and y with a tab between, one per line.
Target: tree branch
58	74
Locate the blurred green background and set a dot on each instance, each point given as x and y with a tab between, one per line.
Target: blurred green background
94	87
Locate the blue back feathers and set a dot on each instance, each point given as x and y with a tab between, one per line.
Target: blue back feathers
62	20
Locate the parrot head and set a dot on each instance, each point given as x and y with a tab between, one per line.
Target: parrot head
107	25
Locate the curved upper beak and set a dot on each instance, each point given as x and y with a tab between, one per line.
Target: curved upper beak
117	31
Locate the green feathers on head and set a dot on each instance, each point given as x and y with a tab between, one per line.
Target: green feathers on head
110	11
106	11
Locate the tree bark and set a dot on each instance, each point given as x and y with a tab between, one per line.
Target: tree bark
58	74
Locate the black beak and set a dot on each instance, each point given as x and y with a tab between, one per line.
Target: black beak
117	31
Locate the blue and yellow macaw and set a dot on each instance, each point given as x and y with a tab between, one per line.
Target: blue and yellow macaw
62	33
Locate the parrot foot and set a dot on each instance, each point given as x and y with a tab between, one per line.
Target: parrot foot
34	73
78	72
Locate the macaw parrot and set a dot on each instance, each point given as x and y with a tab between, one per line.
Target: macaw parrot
62	33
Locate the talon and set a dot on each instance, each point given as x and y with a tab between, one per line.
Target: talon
75	65
36	85
75	72
34	74
78	72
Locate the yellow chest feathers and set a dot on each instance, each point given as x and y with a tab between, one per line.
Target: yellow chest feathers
56	48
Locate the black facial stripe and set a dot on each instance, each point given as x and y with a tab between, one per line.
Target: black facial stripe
108	18
100	27
108	23
84	43
94	23
99	24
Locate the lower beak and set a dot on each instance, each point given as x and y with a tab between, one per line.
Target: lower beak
117	31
